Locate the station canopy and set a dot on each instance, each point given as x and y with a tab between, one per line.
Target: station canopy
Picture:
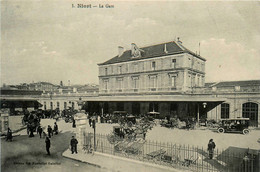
159	98
19	103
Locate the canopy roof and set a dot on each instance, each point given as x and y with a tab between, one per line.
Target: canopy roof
19	103
158	98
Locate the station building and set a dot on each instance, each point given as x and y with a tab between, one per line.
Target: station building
160	78
167	78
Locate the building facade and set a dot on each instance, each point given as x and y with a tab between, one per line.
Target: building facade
158	78
167	67
242	100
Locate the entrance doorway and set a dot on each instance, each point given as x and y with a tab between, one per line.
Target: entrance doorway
136	108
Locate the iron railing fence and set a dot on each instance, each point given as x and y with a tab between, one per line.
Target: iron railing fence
175	155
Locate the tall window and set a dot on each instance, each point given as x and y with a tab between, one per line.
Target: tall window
135	82
58	105
224	110
135	67
105	84
173	81
198	80
51	103
120	83
153	81
189	80
45	106
173	63
119	69
65	105
190	63
72	105
153	65
105	71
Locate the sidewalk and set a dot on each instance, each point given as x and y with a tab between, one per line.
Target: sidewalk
118	164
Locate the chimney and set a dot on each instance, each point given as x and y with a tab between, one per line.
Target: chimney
120	51
165	49
179	40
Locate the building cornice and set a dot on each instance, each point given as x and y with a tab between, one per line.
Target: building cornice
152	71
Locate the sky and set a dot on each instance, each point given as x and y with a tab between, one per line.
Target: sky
50	41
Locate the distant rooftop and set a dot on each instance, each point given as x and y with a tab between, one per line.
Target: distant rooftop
233	83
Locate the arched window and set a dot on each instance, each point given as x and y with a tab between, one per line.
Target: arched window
224	110
250	110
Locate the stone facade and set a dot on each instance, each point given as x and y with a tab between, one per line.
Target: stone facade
167	73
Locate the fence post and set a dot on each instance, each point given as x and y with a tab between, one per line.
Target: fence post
202	159
258	160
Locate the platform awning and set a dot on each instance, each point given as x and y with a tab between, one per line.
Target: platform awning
19	103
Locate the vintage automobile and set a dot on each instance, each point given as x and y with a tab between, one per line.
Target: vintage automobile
236	125
117	115
152	115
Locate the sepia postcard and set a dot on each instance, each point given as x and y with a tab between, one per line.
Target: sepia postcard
145	86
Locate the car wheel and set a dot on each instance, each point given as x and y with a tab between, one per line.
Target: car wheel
210	125
245	131
130	124
221	130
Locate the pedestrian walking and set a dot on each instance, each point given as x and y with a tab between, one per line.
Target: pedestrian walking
73	123
90	121
73	144
211	147
50	132
28	130
39	130
31	129
9	135
55	128
48	145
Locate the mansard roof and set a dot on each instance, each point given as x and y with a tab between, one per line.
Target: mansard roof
152	52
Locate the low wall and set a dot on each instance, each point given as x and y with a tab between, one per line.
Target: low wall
15	122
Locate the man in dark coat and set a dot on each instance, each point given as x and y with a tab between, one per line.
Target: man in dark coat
73	123
48	145
49	129
211	147
55	128
73	144
39	130
31	130
90	121
9	135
